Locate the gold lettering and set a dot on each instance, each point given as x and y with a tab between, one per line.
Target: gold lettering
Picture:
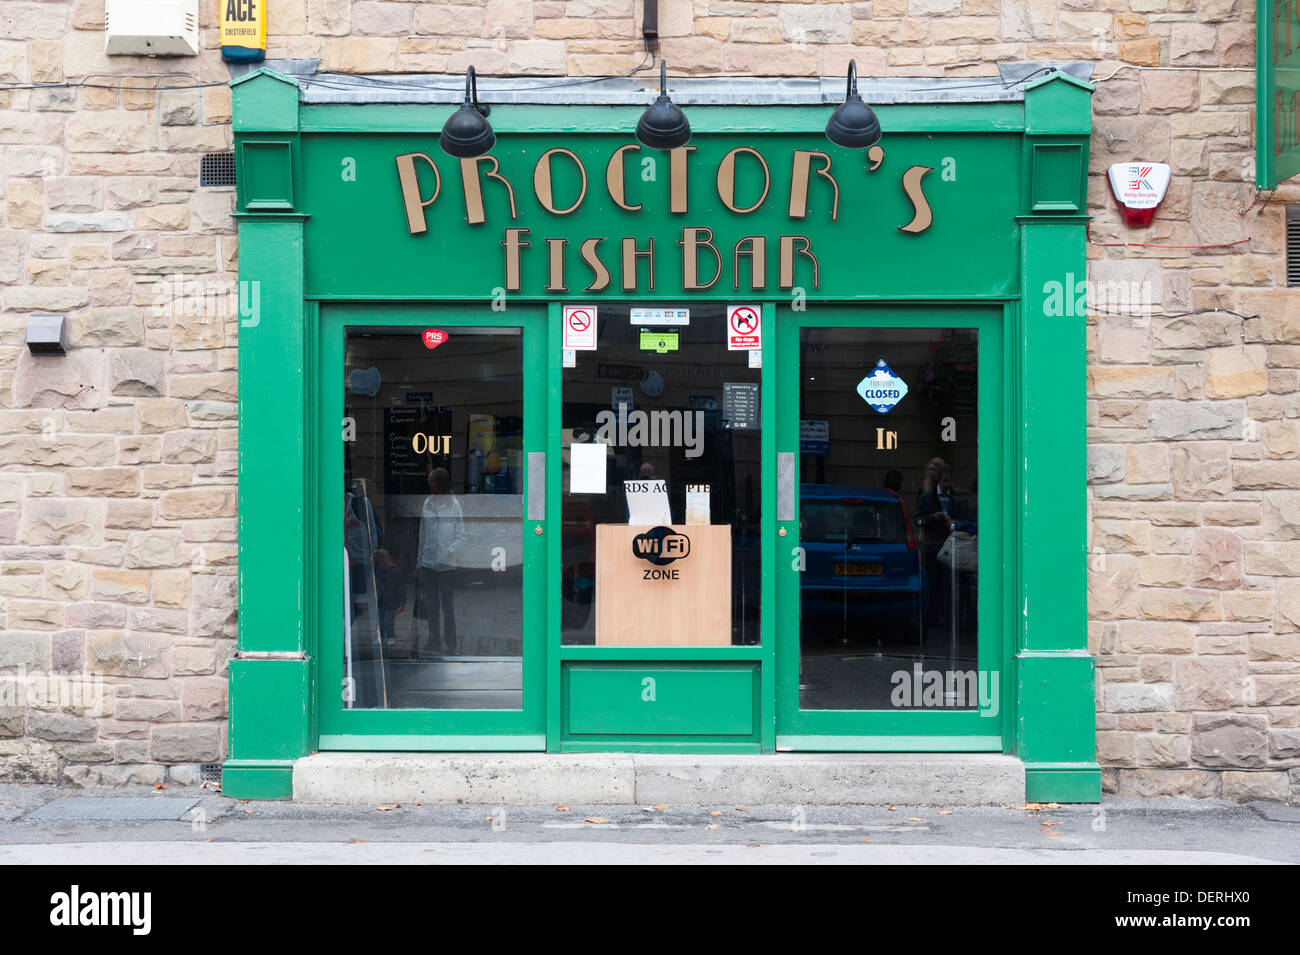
912	186
542	181
474	189
599	274
410	180
799	183
512	243
788	252
677	180
615	181
754	248
691	242
555	249
727	179
630	255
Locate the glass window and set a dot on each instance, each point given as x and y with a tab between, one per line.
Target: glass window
888	518
433	518
661	483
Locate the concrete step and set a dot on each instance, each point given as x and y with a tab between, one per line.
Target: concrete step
863	779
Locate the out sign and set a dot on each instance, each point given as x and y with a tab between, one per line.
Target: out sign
433	337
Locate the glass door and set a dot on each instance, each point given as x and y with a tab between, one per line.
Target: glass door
431	528
889	530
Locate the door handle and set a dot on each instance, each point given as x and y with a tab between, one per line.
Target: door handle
536	486
785	486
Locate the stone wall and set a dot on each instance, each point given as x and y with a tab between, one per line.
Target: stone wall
117	463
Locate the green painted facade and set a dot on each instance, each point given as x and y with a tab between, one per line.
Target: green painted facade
1277	92
323	229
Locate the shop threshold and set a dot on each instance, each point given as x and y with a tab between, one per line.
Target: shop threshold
857	779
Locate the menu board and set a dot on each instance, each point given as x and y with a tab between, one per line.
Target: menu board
740	405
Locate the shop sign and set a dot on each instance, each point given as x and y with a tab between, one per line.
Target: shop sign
661	545
744	328
580	327
882	389
660	316
744	182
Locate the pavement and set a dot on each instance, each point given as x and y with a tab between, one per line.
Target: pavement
47	825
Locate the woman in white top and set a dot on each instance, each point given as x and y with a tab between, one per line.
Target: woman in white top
442	533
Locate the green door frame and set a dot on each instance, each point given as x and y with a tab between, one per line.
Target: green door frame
399	729
869	730
274	678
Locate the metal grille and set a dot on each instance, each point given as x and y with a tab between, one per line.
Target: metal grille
1292	246
209	772
217	169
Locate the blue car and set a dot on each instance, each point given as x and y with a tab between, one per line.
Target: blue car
863	567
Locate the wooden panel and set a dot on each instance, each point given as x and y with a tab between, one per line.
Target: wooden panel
686	603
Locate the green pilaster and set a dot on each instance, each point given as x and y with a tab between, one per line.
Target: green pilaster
270	678
1056	719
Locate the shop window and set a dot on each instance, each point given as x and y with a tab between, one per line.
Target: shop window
888	517
661	465
433	518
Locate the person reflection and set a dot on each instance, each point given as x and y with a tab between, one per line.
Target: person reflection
940	511
442	532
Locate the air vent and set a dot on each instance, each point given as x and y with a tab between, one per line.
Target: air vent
1292	246
210	773
217	169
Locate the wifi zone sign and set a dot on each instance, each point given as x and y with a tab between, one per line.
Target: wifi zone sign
661	546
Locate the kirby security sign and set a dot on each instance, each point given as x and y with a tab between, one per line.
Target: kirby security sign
882	389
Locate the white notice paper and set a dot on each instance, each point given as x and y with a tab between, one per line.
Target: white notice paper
697	504
647	502
587	468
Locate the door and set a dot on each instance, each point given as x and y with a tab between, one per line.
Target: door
431	523
889	529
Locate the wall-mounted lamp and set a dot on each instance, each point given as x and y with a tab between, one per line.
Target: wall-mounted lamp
47	334
467	133
854	123
663	125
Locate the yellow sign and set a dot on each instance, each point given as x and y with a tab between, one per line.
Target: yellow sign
243	30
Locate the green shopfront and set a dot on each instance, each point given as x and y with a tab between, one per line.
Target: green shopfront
757	445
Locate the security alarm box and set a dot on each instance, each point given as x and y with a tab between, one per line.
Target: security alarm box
151	27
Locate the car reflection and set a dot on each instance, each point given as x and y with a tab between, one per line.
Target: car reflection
862	575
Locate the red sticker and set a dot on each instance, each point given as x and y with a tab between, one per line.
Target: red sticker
433	337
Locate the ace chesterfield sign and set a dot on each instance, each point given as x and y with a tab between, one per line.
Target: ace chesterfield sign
560	214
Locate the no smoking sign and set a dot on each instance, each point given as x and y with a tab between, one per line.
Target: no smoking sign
580	327
744	328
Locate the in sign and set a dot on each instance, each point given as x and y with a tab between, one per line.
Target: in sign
744	328
580	327
433	337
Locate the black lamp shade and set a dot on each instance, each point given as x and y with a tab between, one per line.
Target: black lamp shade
467	133
663	125
854	123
